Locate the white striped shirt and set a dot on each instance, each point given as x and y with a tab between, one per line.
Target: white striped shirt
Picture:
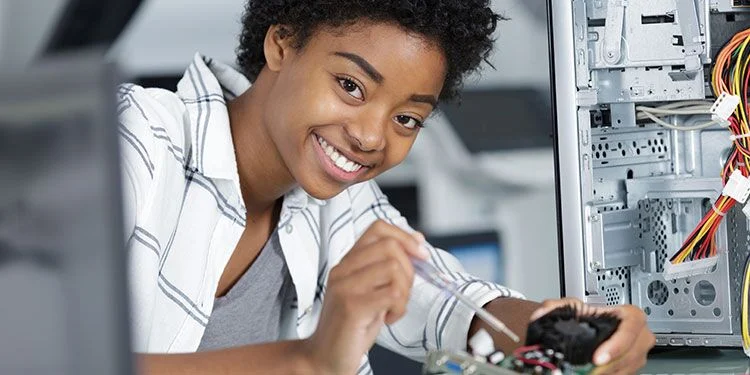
185	215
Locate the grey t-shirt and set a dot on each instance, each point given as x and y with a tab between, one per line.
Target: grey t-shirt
250	312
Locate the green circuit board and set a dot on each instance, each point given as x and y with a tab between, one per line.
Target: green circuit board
449	363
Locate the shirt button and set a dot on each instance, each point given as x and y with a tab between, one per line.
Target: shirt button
289	228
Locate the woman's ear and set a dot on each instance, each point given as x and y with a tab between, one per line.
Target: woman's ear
277	46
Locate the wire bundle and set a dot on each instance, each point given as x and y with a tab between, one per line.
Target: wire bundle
729	75
688	107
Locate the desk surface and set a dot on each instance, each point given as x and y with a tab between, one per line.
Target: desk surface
698	361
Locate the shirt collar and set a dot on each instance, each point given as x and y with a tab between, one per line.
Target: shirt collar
205	89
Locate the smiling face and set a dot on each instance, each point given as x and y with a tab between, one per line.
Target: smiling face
349	104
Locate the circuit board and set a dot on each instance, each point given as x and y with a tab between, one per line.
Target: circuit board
443	362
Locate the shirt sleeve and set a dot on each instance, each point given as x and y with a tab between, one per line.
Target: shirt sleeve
136	161
434	320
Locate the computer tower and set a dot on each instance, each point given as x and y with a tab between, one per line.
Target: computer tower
643	153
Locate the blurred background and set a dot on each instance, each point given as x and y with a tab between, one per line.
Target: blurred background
479	181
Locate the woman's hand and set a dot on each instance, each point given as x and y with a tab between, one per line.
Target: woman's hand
626	350
368	288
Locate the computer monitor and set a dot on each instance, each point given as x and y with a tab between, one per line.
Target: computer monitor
62	262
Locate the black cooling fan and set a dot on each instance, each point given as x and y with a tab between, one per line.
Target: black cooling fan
575	334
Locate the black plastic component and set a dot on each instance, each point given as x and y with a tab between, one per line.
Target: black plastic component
573	333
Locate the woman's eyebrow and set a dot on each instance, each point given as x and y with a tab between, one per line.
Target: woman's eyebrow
363	64
429	99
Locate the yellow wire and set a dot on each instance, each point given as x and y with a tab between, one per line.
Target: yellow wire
738	76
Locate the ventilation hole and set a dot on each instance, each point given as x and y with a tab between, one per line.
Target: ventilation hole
619	144
670	312
604	154
629	174
638	151
717	312
657	292
676	291
693	312
647	310
661	141
649	142
623	153
597	155
686	291
606	146
705	293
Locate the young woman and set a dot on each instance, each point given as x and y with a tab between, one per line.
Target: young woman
258	241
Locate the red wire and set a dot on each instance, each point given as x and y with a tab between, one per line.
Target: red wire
520	351
534	362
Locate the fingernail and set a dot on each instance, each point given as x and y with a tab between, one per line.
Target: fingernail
538	314
422	251
601	359
418	236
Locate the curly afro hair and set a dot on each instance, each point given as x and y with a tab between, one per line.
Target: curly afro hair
461	28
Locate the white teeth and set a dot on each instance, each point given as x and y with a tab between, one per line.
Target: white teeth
339	160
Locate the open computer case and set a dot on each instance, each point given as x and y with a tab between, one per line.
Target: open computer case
651	116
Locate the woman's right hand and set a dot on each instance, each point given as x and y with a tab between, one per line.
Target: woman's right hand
368	288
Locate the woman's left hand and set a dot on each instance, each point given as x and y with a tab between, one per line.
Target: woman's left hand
626	350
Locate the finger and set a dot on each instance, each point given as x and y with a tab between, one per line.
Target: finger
419	237
552	304
381	300
632	323
403	283
373	277
377	322
625	365
388	273
635	358
386	248
381	229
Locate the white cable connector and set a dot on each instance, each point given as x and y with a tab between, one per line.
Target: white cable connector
482	344
736	137
737	187
724	106
688	268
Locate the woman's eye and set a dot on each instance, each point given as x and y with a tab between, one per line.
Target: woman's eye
409	122
351	88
